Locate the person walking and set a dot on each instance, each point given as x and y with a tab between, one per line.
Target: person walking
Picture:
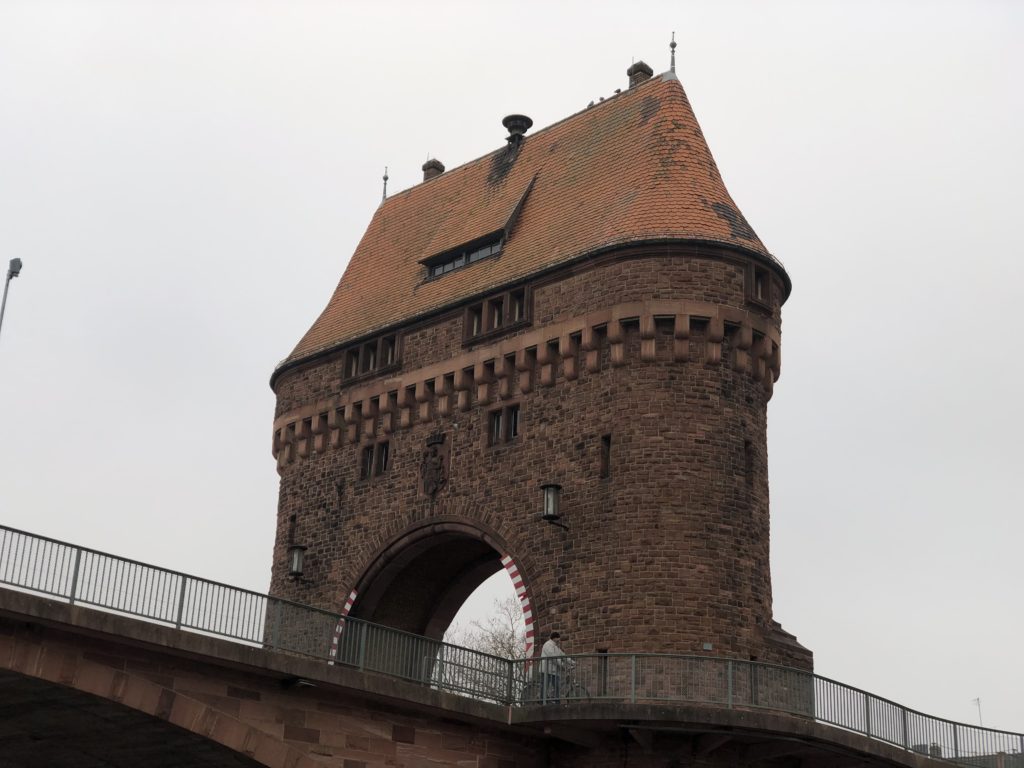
552	659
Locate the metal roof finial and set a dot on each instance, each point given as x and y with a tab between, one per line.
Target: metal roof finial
384	196
672	45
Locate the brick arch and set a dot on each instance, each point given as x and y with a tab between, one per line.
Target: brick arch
67	666
419	577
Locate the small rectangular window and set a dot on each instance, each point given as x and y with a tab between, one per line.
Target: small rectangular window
517	306
495	428
369	358
366	463
475	321
606	456
496	313
760	285
351	363
383	458
748	461
387	350
503	425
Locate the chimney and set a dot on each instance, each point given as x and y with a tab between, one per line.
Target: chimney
432	168
517	125
638	73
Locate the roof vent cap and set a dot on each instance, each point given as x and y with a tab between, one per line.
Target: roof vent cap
433	167
638	73
517	125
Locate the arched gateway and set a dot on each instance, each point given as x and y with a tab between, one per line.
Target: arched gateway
420	579
586	311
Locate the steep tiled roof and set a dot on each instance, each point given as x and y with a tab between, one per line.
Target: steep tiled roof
632	168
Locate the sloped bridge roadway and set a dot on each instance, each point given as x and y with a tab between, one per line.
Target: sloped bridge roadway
135	666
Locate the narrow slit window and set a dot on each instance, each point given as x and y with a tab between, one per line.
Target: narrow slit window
351	363
760	285
512	425
517	306
748	461
383	458
475	321
387	350
366	464
369	357
495	427
496	313
606	456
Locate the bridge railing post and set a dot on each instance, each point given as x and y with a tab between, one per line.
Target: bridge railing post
956	743
74	575
181	603
867	715
632	678
361	659
906	730
275	622
510	682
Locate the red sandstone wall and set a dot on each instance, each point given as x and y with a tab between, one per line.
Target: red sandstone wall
257	715
668	553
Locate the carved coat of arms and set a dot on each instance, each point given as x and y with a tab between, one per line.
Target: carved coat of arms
434	466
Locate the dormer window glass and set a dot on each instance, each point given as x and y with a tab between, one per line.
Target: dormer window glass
442	265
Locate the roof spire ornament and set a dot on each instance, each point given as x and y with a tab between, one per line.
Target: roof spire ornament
672	46
384	196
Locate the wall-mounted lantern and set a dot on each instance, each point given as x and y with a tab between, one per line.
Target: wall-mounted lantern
296	560
552	512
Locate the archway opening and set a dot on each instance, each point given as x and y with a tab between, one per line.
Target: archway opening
491	619
422	580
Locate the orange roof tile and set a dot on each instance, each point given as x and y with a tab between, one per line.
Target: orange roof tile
633	168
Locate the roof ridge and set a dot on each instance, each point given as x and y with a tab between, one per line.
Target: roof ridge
666	76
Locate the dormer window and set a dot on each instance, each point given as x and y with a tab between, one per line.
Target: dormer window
463	256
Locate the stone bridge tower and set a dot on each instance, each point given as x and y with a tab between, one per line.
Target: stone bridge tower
586	308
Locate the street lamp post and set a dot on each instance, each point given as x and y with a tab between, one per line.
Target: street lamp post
12	271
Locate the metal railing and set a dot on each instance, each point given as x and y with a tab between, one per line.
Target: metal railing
88	577
85	576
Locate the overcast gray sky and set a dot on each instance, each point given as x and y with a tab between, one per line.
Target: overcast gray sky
185	182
